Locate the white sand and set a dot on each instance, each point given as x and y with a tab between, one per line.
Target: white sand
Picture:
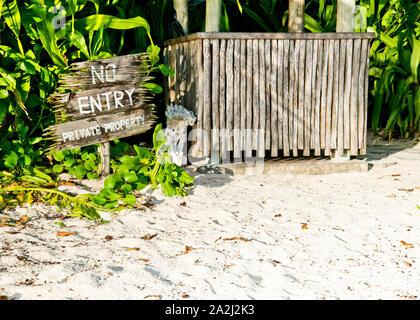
351	248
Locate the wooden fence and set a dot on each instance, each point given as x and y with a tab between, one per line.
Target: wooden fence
290	93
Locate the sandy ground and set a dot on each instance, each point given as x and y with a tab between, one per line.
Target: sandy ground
338	236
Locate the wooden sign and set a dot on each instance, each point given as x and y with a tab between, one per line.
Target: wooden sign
103	100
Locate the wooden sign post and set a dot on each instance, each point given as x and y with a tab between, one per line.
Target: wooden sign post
104	100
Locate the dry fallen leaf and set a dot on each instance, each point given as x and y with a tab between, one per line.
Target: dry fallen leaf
277	215
396	179
144	260
185	296
407	190
132	249
304	226
235	238
149	236
109	238
391	196
396	175
65	234
67	183
407	263
183	204
188	249
24	219
406	244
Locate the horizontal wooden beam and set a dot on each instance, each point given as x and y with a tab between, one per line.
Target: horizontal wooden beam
273	36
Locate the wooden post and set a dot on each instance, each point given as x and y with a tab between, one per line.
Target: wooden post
213	15
345	15
181	8
296	15
105	152
345	23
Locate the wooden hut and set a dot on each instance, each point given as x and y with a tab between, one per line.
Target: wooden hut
279	94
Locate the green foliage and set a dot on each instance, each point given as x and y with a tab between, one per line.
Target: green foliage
78	163
39	39
395	65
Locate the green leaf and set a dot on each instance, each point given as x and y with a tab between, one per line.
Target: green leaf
58	168
80	171
11	159
158	138
113	181
59	156
130	199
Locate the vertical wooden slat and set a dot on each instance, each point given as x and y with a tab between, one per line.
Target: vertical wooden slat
286	106
243	94
262	100
294	97
178	73
229	94
171	80
307	98
237	100
361	93
215	128
280	93
335	75
301	103
354	135
347	93
318	60
222	100
366	95
256	91
267	94
274	100
200	92
340	130
324	91
249	91
207	98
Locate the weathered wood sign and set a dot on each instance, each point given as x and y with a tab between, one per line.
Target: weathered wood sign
103	100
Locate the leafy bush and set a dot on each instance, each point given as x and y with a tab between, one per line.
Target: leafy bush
39	39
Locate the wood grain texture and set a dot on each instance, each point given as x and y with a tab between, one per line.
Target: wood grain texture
222	100
308	98
215	91
367	45
273	36
200	111
267	50
301	97
274	100
354	111
294	87
207	98
237	101
256	92
287	111
262	100
297	93
229	94
316	97
324	91
334	61
347	93
243	106
363	91
249	96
